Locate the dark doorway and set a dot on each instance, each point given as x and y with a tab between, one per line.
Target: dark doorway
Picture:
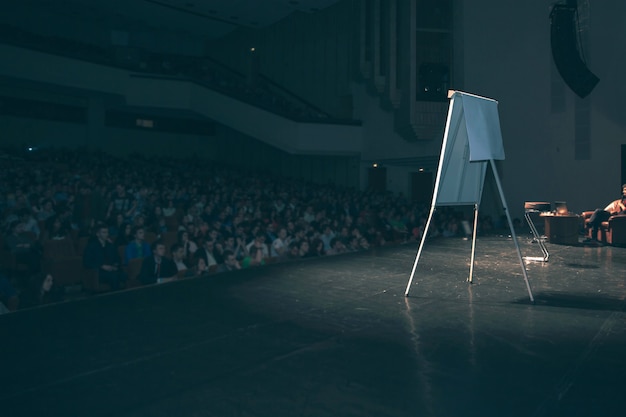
422	187
377	179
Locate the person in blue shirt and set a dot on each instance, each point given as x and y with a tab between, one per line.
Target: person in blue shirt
138	247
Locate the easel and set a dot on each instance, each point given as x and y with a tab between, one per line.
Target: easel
469	143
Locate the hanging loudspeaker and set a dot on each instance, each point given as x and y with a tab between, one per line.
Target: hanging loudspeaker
565	51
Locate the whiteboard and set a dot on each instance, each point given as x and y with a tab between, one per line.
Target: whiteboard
471	138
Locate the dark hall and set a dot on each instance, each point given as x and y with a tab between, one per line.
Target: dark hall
312	207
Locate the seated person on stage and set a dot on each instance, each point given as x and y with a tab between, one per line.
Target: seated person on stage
615	207
101	255
156	268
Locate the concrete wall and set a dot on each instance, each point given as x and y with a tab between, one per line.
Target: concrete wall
23	132
507	56
310	54
89	79
381	142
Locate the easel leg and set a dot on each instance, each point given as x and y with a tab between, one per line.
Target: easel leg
419	251
508	217
470	279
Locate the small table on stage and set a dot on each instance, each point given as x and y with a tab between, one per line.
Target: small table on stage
562	229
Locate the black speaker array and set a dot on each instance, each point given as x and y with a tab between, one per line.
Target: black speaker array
566	53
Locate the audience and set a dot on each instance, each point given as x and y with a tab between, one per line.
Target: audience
185	242
40	291
208	254
23	246
178	256
337	247
157	268
238	220
198	270
55	229
28	223
46	211
254	258
137	248
230	263
280	244
102	256
259	243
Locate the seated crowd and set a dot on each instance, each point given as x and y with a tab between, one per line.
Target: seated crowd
138	221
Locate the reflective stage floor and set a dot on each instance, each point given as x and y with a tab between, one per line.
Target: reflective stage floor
337	337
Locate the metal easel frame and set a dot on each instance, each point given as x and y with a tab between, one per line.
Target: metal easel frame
457	140
471	273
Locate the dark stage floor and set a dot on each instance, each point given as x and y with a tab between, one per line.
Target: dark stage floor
337	337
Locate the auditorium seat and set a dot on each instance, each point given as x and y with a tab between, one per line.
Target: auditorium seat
61	248
171	222
91	283
611	232
9	262
150	237
62	262
66	271
132	271
169	238
81	244
121	252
